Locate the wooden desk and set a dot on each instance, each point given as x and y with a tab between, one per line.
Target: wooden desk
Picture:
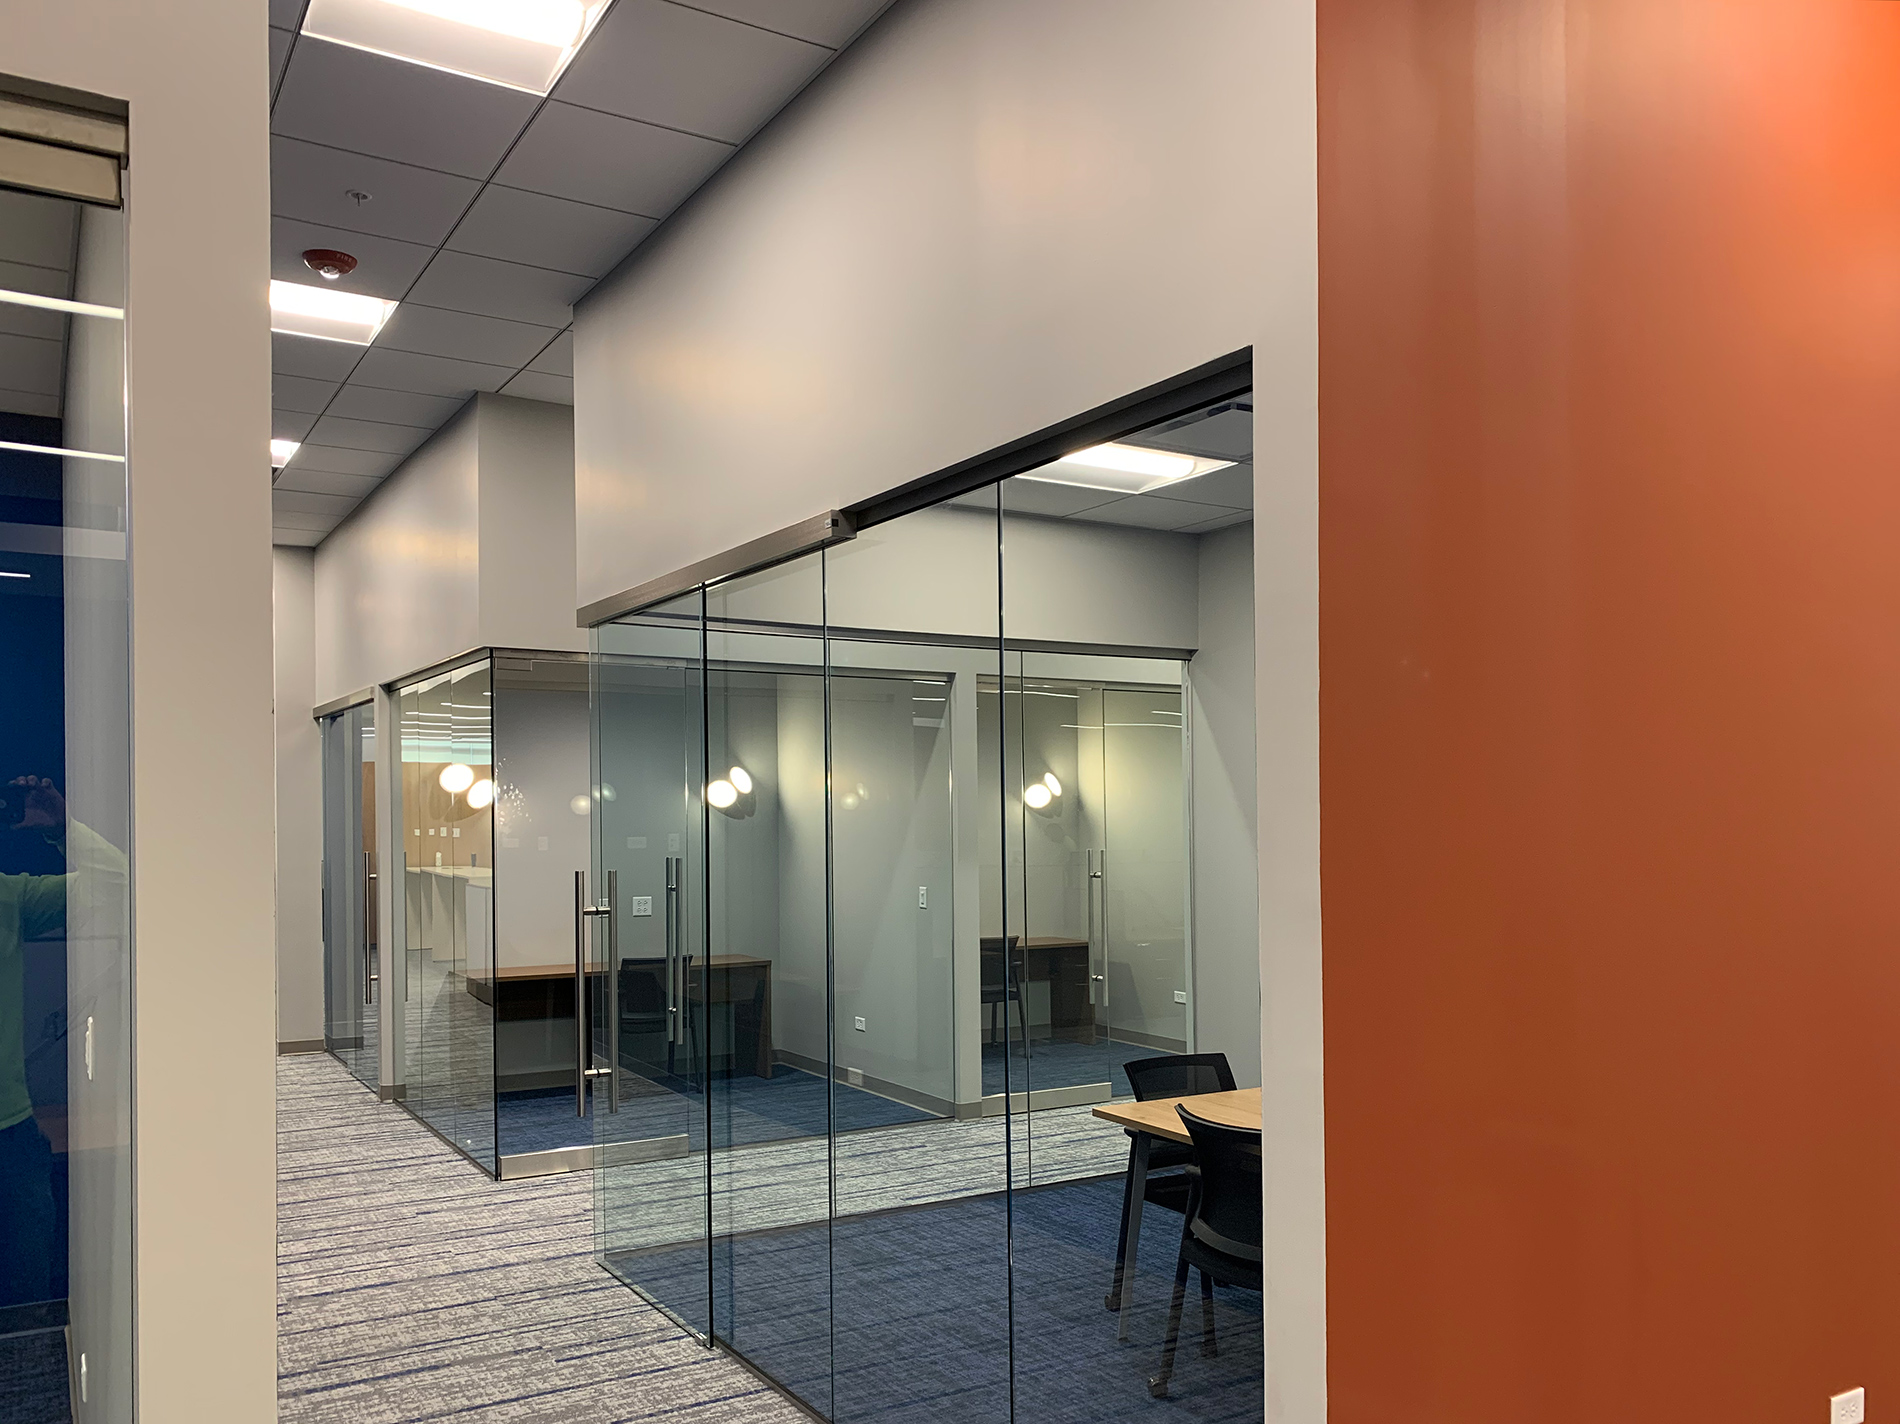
1158	1116
1062	964
1148	1121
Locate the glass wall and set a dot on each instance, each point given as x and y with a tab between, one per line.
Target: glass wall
932	867
351	957
65	815
497	799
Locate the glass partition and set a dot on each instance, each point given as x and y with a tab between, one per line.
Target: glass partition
65	814
930	807
350	951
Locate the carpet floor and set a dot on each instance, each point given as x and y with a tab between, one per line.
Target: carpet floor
411	1287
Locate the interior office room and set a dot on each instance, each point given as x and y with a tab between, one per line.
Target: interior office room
993	709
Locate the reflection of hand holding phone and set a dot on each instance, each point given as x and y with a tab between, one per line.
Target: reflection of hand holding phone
33	803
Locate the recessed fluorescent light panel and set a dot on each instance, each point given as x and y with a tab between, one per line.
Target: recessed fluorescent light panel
281	451
1124	469
522	44
326	313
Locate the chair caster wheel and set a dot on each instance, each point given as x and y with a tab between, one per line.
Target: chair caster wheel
1157	1386
1110	1302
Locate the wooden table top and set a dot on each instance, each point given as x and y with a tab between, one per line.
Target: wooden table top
1157	1116
566	971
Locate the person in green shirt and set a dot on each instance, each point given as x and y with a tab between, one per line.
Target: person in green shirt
34	907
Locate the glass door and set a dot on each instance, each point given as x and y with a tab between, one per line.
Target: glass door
649	739
350	949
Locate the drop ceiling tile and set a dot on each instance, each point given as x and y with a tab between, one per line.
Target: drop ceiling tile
375	463
461	282
312	182
1053	501
558	359
548	232
325	482
1226	521
334	506
28	403
383	268
300	393
368	103
32	365
1232	487
538	385
435	331
395	407
280	42
297	538
316	525
286	14
1146	512
36	229
612	162
686	69
341	433
1225	435
40	281
18	320
290	424
308	357
429	375
825	22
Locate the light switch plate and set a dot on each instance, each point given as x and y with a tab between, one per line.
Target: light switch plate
923	897
640	905
1848	1408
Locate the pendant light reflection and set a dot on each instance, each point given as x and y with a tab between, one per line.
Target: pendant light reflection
481	794
456	778
1040	795
721	793
741	780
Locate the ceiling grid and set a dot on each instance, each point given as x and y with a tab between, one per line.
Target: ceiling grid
487	211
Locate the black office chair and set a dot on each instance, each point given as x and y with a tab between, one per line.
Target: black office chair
1222	1234
1174	1075
1002	979
643	1007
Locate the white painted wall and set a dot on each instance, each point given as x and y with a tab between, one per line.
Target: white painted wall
299	799
1226	837
195	75
989	216
397	583
527	524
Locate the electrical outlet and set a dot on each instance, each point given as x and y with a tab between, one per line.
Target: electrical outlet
1849	1408
923	897
854	1077
641	905
1180	996
88	1048
858	1023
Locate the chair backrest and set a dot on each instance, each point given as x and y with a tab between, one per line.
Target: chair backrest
643	986
1226	1211
993	952
1176	1075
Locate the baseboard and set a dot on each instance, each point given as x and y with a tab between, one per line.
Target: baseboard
300	1045
1042	1098
517	1165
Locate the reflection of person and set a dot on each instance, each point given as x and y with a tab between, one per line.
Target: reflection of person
32	906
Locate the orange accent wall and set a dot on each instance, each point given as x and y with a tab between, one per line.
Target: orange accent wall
1610	667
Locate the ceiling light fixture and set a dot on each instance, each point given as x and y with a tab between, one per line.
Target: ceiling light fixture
1124	469
9	573
721	794
327	314
1036	796
741	780
1049	780
281	451
520	44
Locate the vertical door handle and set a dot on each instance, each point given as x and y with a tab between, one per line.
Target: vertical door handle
580	993
672	948
613	991
1092	888
369	928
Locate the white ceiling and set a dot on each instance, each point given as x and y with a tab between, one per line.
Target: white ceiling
38	240
1197	506
491	212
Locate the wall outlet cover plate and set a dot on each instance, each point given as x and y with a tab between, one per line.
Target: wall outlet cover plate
1848	1408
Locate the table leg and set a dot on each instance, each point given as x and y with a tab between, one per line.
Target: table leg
1137	1198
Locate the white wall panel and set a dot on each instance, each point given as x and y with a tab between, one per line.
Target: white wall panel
299	800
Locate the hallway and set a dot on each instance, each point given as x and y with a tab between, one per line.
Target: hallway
411	1287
